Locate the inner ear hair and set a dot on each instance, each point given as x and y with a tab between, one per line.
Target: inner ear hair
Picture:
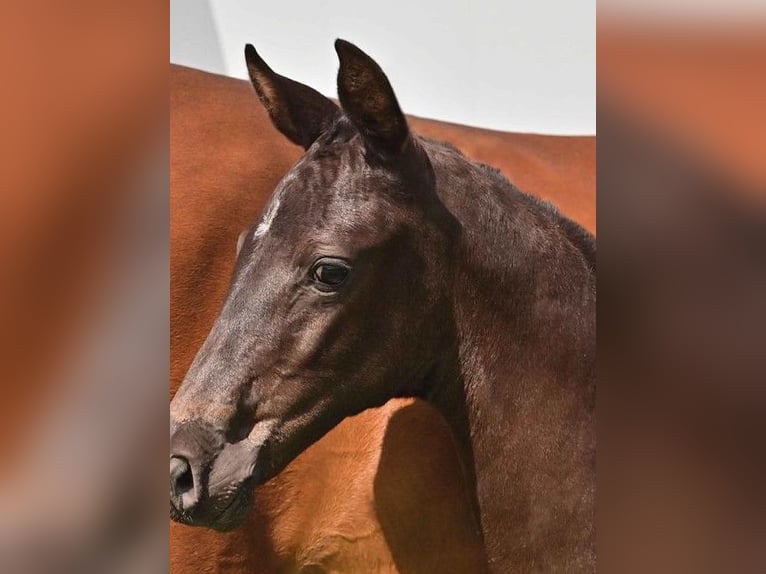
301	113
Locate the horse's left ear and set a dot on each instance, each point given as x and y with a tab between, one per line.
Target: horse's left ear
369	101
299	112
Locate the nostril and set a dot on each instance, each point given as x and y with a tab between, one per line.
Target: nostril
181	478
193	448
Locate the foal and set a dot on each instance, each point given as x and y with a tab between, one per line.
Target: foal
388	265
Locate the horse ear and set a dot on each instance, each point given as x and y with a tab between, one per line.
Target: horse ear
369	101
299	112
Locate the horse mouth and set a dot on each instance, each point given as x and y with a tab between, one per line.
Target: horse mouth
228	517
227	482
235	512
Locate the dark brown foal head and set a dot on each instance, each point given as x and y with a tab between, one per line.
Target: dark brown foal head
339	300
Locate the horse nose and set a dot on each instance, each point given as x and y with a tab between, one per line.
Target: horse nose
193	447
182	487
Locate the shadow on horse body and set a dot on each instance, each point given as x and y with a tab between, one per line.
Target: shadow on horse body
388	265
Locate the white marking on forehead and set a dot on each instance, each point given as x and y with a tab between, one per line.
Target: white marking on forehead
271	211
268	219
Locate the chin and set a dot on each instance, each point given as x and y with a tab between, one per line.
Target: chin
223	514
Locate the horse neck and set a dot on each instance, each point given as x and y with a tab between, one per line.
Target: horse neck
519	389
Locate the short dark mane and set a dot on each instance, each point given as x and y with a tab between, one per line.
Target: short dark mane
578	236
340	132
582	239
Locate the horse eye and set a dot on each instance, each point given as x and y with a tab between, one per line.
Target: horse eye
329	272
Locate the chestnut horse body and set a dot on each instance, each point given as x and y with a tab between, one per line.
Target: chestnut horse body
368	496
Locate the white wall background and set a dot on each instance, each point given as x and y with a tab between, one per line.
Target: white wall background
517	65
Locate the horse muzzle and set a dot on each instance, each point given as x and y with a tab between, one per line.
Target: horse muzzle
211	481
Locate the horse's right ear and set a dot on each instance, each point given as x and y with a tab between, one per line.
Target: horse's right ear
299	112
